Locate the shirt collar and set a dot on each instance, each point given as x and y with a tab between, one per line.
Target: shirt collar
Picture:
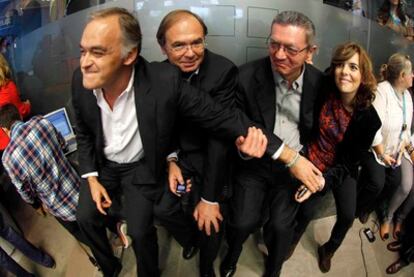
98	92
296	85
188	79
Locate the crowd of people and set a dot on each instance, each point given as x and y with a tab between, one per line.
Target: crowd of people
215	152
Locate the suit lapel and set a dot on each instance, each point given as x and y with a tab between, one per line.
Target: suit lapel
145	108
307	91
265	94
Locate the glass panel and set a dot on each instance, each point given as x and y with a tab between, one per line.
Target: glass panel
44	52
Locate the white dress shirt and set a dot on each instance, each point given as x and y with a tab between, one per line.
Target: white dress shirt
122	140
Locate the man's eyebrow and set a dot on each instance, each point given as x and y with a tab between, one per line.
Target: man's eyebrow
180	42
94	48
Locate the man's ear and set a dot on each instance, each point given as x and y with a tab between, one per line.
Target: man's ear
163	50
131	57
309	55
313	49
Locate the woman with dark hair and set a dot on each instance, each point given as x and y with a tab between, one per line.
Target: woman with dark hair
393	15
347	125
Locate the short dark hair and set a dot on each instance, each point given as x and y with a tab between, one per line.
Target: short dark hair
173	17
8	115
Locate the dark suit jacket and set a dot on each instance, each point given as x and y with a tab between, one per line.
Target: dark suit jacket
257	98
217	76
160	95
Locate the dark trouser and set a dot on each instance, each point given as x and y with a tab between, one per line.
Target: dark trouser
138	208
30	251
376	184
252	193
407	240
344	190
175	214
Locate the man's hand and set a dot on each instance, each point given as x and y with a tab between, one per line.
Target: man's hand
175	177
307	174
254	145
303	170
99	195
206	215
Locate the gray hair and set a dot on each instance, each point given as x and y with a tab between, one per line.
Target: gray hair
298	19
130	29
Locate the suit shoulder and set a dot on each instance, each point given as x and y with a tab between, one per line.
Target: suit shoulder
313	71
161	71
219	60
249	68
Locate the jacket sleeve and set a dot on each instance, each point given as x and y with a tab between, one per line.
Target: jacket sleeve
200	108
216	165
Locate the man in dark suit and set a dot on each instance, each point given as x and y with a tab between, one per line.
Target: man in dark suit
278	92
199	155
125	111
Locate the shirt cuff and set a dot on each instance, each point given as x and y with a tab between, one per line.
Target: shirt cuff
90	174
208	202
173	155
279	151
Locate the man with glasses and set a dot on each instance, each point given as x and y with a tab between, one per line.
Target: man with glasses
278	92
199	155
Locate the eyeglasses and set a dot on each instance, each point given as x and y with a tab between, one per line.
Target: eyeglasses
289	50
196	46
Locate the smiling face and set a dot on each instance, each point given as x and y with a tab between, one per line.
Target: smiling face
101	61
184	44
348	76
286	37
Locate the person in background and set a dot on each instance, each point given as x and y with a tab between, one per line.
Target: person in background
30	251
400	66
38	168
10	94
393	15
381	167
405	247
